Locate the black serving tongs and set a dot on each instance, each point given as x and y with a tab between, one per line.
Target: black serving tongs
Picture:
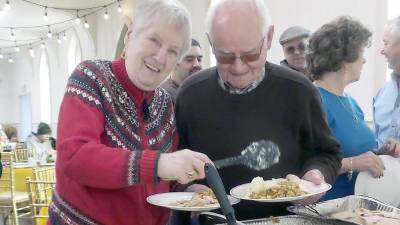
215	183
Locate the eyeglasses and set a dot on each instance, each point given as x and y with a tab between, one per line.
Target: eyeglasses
229	58
301	47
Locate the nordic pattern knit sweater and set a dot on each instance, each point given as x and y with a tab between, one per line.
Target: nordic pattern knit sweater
285	108
107	148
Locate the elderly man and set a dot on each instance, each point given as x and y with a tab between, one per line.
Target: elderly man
244	98
190	63
387	101
294	43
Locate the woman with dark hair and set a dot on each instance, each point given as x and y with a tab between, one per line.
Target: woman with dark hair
334	60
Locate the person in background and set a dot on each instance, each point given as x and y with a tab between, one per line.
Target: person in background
117	139
334	60
189	64
11	132
223	109
38	144
386	104
294	43
3	135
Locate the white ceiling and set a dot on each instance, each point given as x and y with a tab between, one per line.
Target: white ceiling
27	14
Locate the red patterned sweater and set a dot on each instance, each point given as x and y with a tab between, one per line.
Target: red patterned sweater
107	148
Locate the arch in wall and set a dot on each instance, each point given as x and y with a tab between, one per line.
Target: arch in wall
120	44
74	54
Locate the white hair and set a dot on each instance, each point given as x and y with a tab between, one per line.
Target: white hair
261	7
170	11
394	27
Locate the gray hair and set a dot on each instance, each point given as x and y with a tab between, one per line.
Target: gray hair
394	26
171	11
261	7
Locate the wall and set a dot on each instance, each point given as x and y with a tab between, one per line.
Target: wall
313	13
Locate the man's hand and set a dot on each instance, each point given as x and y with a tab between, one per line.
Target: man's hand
391	147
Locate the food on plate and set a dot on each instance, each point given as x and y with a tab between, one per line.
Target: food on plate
199	199
368	217
275	188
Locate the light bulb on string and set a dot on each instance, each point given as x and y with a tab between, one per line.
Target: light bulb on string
7	6
106	16
10	59
77	20
49	34
1	54
12	35
86	24
31	52
45	17
43	45
119	7
16	48
65	36
59	39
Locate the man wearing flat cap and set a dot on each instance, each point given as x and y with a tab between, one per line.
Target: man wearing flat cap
294	43
39	145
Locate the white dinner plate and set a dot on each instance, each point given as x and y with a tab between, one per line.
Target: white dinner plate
386	188
311	189
167	199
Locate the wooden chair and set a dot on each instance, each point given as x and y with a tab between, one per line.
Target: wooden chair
20	145
40	190
21	154
12	203
40	193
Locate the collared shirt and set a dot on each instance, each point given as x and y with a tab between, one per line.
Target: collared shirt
387	111
229	88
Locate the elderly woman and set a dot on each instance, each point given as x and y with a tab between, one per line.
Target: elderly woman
117	135
334	60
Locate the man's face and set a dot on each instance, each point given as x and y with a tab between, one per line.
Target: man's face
44	137
295	53
391	49
190	63
240	49
152	53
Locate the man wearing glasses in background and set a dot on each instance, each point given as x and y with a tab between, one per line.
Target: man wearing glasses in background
294	43
244	98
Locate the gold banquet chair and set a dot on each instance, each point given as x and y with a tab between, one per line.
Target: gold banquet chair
40	190
21	154
13	204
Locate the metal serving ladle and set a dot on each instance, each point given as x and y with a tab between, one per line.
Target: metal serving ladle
258	155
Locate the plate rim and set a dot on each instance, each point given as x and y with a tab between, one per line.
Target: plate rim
232	200
285	199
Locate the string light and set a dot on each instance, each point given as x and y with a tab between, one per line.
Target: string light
16	48
86	23
49	34
12	35
10	59
31	52
77	20
1	54
61	35
119	7
106	16
59	39
7	6
45	17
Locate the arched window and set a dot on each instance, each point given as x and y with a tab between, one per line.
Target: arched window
44	88
393	11
74	53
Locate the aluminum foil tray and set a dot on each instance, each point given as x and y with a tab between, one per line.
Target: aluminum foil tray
292	220
323	210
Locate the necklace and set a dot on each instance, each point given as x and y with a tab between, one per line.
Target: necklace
349	109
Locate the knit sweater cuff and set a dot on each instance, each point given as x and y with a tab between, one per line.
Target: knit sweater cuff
148	167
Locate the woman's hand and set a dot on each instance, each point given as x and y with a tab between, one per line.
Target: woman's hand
183	166
370	162
391	147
